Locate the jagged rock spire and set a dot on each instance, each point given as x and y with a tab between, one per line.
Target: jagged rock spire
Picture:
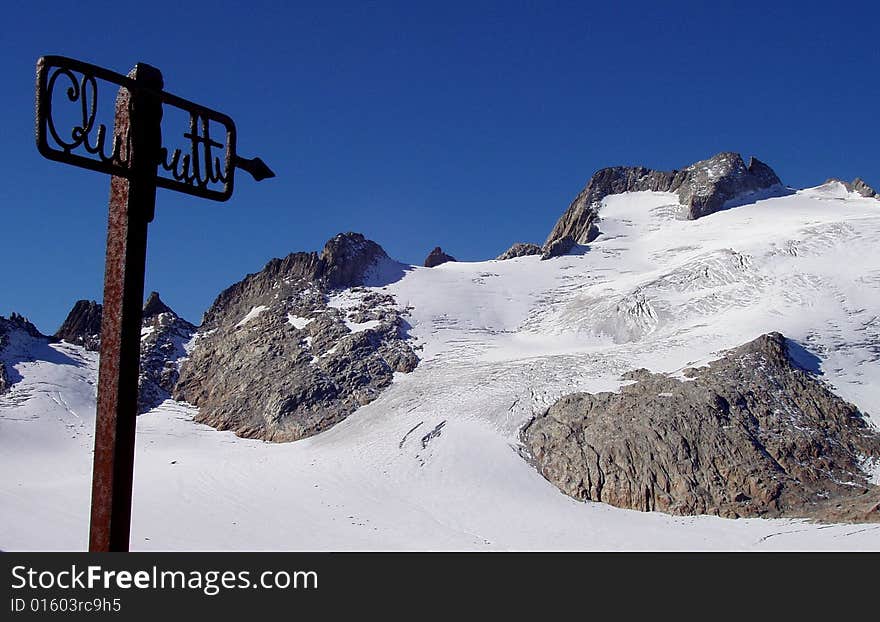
82	325
154	306
437	257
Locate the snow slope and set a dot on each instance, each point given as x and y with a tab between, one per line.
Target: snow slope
433	463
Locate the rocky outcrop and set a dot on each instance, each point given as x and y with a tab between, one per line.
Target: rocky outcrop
858	186
164	337
520	249
83	325
751	434
710	185
703	188
437	257
297	347
154	307
559	246
346	260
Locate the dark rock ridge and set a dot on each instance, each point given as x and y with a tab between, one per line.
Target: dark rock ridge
520	249
297	347
14	323
703	188
164	336
437	257
83	325
751	434
857	185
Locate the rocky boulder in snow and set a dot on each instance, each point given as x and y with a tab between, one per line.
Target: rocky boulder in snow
703	188
751	434
83	325
520	249
437	257
557	247
297	347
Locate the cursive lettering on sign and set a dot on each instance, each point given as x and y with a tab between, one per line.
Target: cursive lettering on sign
198	167
85	92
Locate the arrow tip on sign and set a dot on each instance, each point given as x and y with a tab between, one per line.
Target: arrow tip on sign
256	167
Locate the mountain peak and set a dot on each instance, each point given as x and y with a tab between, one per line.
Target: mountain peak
857	185
344	262
82	325
16	320
703	188
347	257
154	306
437	257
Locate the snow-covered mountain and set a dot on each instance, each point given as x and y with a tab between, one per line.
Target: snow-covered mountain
435	460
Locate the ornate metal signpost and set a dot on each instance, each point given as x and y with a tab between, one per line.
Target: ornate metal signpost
139	163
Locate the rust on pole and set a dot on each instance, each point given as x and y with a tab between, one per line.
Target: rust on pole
132	204
134	155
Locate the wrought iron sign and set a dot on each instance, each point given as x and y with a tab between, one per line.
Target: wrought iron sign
68	130
205	167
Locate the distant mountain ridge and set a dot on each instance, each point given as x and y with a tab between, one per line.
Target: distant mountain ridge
298	347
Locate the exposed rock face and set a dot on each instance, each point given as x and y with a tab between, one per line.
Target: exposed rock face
520	249
752	434
557	247
287	352
857	185
345	261
83	325
164	336
437	257
347	258
703	188
708	185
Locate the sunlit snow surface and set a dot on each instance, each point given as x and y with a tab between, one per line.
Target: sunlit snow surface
432	464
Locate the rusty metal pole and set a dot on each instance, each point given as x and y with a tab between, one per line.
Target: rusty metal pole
132	205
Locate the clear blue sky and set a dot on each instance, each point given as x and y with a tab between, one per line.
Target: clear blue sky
469	125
